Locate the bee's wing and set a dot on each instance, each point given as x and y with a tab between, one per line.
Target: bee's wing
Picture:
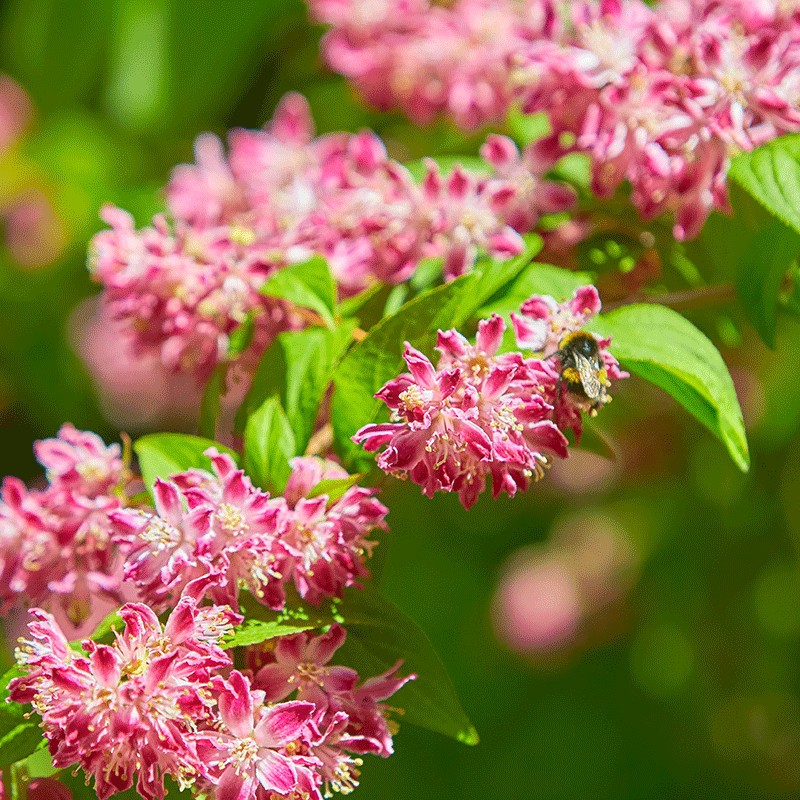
588	370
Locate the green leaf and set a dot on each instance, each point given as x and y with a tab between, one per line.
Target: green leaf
447	164
378	636
536	279
771	175
760	276
427	273
576	169
335	488
19	736
350	306
242	336
397	296
495	277
7	677
211	403
306	285
527	128
269	443
378	358
661	346
298	368
106	627
164	454
592	441
256	631
19	742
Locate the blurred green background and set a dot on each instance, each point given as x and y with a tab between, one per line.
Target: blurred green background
627	630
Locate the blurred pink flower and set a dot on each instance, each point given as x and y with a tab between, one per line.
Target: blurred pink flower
537	607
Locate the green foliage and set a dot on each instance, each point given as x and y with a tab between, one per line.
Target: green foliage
19	736
661	346
335	488
761	272
535	279
297	368
256	631
527	128
211	403
307	285
269	443
164	454
771	175
447	164
378	636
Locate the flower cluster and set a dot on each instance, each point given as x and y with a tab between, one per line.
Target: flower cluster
164	701
352	718
280	196
55	547
481	412
212	534
659	96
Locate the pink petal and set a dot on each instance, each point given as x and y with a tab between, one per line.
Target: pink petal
273	680
283	723
168	501
531	334
321	649
292	120
490	334
499	151
275	772
585	302
233	786
420	367
236	705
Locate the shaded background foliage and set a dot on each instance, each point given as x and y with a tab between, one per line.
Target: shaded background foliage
656	596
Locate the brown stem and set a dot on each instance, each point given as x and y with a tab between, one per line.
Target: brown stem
686	300
321	442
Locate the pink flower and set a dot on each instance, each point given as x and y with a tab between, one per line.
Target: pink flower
465	217
432	440
658	96
255	751
216	530
48	789
519	187
327	542
349	718
80	461
543	322
55	544
130	706
543	325
181	292
300	664
476	414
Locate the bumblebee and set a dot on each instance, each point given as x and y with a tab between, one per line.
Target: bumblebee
582	370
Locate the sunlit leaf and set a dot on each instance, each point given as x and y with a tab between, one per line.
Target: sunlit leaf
661	346
269	443
762	268
164	454
771	175
307	285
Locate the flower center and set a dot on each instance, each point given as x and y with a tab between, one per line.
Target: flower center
231	519
160	533
244	752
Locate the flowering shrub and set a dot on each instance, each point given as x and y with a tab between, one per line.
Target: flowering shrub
201	605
